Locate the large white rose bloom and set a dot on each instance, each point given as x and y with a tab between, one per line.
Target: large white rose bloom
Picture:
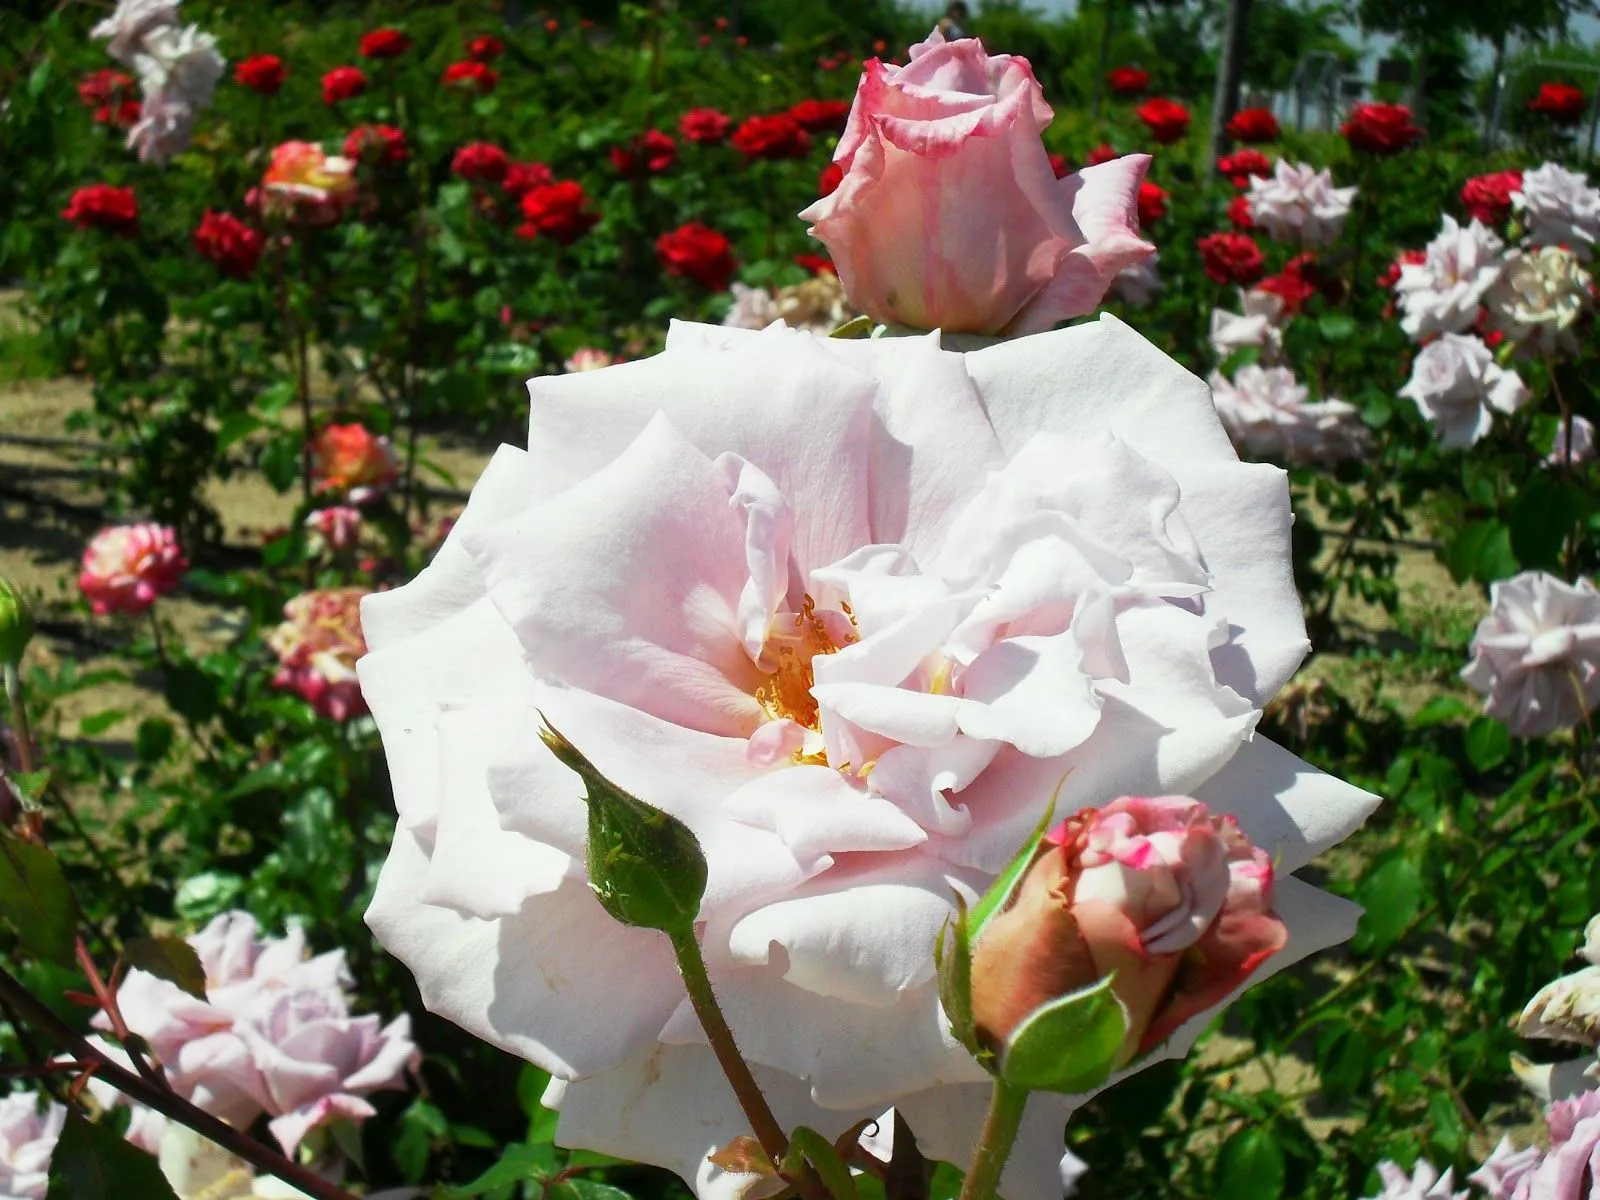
853	610
1443	293
1536	656
1259	323
126	29
177	68
1559	208
1538	299
1456	384
1267	411
1299	204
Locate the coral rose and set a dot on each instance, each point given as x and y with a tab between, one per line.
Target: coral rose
351	458
854	611
1167	120
126	567
949	215
263	73
317	646
304	183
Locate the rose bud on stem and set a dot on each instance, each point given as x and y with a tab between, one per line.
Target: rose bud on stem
1105	935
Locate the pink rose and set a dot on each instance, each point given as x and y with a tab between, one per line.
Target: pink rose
127	566
317	646
950	216
1135	891
27	1140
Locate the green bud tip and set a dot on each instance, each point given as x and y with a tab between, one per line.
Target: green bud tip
16	624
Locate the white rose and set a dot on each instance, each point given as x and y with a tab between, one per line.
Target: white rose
1455	383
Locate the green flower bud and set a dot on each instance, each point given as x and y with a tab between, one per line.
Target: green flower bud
645	866
16	624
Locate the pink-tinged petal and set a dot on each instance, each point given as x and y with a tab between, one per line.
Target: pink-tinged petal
393	1058
291	1128
947	1122
1033	693
768	538
925	783
565	574
817	809
560	984
1218	965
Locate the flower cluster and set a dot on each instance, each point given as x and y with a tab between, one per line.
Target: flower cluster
1267	411
177	67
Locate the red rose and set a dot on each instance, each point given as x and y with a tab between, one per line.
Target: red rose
697	252
99	88
1253	125
1061	165
817	264
342	83
383	43
1391	276
556	211
470	76
704	125
1166	119
1101	153
1559	101
101	206
522	178
1488	197
1239	215
828	182
821	116
1295	284
1379	128
262	73
777	136
1231	258
124	114
480	162
1128	81
382	145
1242	164
227	241
485	48
1152	202
654	152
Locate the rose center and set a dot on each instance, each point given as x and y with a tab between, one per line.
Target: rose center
786	695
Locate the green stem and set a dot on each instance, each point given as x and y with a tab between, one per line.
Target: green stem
995	1142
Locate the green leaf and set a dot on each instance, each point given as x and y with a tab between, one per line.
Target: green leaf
1250	1166
39	77
169	958
1488	743
855	327
809	1146
1481	551
36	901
954	963
280	461
1069	1045
98	723
1546	512
1392	896
203	896
235	428
94	1162
1442	710
586	1189
994	900
517	1165
1336	327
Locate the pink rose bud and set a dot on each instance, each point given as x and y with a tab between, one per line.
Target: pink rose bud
949	214
1171	901
127	566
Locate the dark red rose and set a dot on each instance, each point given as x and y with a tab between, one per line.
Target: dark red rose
1379	128
1488	197
821	116
382	145
1253	125
1559	102
263	73
1101	153
469	76
1166	119
125	114
101	206
100	88
1152	202
481	162
776	136
705	125
695	251
557	211
828	182
1061	165
383	43
1295	284
1231	258
1128	81
522	178
1239	215
817	264
651	153
485	48
227	241
342	83
1242	164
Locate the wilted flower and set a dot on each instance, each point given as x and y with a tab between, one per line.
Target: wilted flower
1424	1183
1266	410
1456	384
1258	324
27	1140
304	183
1536	656
1567	1171
952	218
1489	197
1559	208
337	528
1078	589
1568	1009
752	308
101	206
1298	203
1136	285
1443	293
1583	443
351	458
126	567
1539	297
698	252
1167	120
317	647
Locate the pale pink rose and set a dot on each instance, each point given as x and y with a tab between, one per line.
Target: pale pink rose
178	70
589	358
1047	586
1299	204
317	647
950	216
1583	444
127	29
1169	901
337	528
126	567
1137	284
1507	1173
1266	410
1536	656
1444	293
27	1139
1570	1169
1424	1183
752	308
1259	323
1559	208
1456	384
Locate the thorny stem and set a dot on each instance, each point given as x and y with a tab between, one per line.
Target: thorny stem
107	1000
995	1142
168	1103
